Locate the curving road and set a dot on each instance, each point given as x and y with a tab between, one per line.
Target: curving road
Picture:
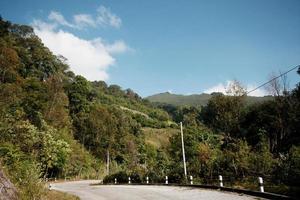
135	192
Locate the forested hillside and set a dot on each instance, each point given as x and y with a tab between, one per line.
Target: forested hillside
54	123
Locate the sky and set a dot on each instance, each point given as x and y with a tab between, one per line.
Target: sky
183	47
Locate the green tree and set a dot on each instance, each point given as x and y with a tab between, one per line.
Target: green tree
9	62
79	93
223	113
54	152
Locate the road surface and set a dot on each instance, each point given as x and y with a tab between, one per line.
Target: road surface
85	191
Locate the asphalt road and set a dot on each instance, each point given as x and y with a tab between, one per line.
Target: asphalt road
134	192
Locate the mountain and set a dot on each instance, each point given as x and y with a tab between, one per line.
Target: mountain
194	99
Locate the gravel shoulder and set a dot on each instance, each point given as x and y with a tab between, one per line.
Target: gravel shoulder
85	191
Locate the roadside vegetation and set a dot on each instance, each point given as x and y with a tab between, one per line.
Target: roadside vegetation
55	124
54	195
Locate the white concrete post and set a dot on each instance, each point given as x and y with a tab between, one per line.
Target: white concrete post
107	162
191	178
183	152
55	179
221	180
167	180
129	180
50	186
261	184
147	180
115	180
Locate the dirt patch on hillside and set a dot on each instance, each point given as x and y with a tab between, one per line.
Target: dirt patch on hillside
7	190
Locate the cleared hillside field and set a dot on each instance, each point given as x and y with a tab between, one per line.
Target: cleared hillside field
159	138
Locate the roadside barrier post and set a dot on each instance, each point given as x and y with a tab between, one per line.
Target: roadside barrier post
191	178
221	180
55	179
129	180
115	180
147	180
167	180
261	184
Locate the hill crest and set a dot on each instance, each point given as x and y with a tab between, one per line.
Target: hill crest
194	99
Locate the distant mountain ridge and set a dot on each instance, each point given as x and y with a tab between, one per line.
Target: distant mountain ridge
194	99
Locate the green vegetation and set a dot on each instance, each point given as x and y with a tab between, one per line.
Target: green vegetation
54	195
159	138
56	124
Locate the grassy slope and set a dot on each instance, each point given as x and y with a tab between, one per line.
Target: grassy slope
159	138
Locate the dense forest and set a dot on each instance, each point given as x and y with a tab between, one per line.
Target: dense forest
54	123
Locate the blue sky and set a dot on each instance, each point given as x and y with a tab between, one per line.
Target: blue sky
164	45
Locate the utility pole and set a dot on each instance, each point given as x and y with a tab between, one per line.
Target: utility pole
107	163
183	153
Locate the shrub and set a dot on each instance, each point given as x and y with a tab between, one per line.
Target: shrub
121	177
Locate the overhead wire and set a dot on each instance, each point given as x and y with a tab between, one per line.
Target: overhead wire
281	74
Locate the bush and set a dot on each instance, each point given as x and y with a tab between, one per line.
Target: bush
23	172
121	177
135	178
153	177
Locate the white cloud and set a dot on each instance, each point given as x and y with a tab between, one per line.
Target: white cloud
104	17
89	58
59	18
117	47
84	20
43	25
107	18
221	87
217	88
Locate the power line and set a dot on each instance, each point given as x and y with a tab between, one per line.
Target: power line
298	66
